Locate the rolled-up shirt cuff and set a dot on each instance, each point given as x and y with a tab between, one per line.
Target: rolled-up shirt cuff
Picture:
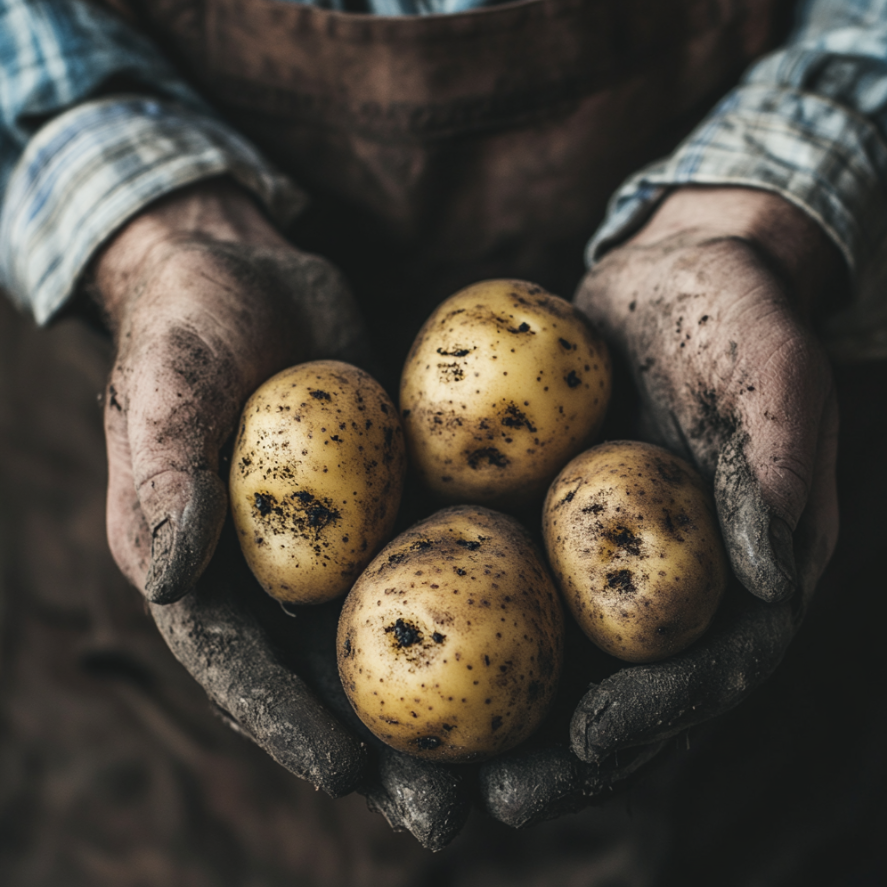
820	156
89	170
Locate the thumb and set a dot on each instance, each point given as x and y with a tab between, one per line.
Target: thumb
757	537
185	511
182	401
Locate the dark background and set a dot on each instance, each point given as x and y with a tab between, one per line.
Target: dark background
114	772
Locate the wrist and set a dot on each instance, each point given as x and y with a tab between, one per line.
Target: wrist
216	210
789	240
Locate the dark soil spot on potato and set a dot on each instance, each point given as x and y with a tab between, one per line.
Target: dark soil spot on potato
456	352
265	502
623	538
427	743
405	633
572	379
317	515
451	372
470	544
317	394
516	418
622	581
489	456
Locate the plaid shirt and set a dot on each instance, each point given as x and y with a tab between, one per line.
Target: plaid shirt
808	122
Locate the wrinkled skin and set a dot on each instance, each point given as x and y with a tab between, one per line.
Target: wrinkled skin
708	306
206	300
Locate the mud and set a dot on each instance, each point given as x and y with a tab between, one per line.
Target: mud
215	635
621	581
514	417
649	703
405	633
487	456
762	560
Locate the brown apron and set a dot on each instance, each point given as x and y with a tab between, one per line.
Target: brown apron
437	150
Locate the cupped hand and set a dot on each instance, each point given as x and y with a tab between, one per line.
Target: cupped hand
205	301
710	306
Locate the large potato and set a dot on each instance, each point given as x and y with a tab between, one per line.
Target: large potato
633	540
504	384
316	479
450	644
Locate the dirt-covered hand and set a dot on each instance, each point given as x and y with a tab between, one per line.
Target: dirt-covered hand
205	301
709	305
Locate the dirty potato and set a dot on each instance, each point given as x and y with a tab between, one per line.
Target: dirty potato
632	537
450	643
316	479
504	384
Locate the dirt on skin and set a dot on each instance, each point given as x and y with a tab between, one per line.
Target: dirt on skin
709	391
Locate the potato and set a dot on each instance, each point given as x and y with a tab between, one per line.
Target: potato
316	479
450	644
504	384
633	540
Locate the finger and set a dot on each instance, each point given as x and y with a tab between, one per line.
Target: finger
128	534
182	401
218	640
650	703
428	800
765	469
527	787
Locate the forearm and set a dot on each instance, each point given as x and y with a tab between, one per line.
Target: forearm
800	252
76	163
808	123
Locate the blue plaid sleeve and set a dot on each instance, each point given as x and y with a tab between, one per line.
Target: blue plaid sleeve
808	122
75	166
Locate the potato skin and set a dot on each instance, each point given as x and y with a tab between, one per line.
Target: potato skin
450	644
316	479
503	385
633	540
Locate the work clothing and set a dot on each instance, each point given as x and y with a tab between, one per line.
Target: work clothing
807	121
497	161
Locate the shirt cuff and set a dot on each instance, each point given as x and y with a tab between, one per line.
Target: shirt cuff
89	170
820	156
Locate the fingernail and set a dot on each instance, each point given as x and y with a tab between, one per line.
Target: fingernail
585	739
158	587
782	546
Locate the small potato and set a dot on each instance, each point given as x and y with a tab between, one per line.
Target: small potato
504	384
450	644
632	537
316	479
